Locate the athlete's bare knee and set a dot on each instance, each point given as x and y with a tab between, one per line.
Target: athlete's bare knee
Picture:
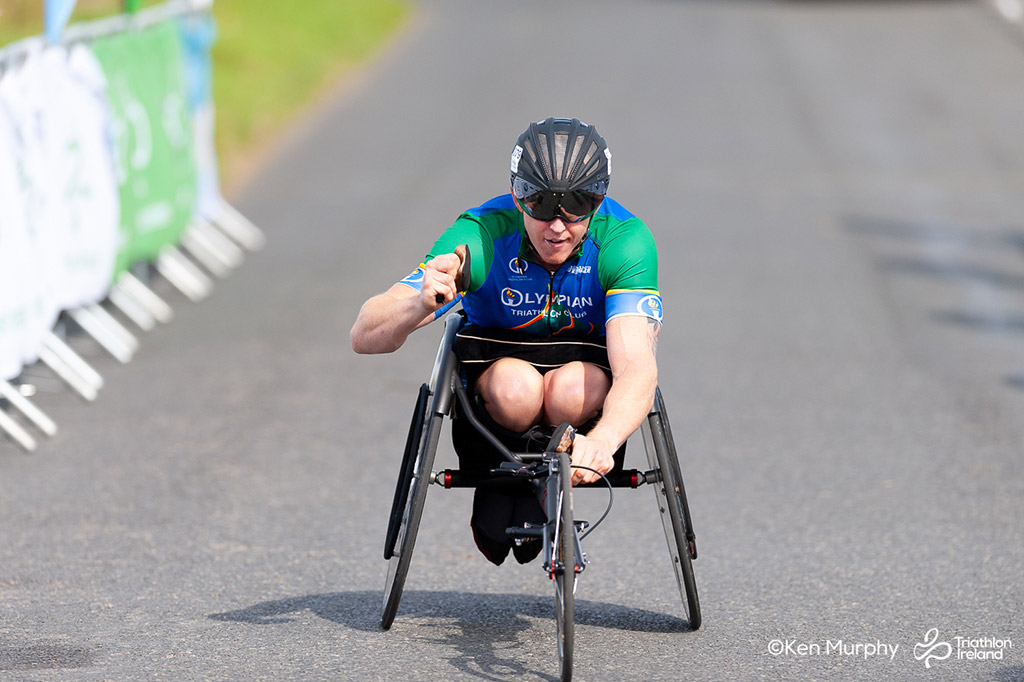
513	393
574	393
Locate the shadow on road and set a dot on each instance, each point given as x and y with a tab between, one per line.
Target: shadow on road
487	631
361	611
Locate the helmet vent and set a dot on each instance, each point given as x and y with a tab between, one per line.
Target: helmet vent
562	155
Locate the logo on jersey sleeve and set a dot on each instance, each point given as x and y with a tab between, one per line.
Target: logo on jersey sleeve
633	302
650	306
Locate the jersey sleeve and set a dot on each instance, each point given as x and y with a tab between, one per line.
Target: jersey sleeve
476	228
465	230
628	269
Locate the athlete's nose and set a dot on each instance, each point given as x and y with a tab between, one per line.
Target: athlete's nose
558	225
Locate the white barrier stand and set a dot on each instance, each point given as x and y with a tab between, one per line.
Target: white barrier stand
183	274
17	433
107	331
199	248
73	361
63	370
27	408
231	253
238	227
144	296
132	309
111	324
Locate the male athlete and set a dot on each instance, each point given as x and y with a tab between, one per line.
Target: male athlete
554	259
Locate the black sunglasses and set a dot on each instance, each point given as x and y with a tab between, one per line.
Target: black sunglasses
571	207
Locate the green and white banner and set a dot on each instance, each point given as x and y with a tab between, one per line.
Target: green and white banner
59	223
154	155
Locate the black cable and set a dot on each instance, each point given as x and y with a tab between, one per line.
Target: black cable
607	509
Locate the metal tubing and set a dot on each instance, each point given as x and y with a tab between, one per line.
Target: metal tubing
61	368
17	432
183	274
73	360
238	227
114	338
145	297
27	408
131	308
199	248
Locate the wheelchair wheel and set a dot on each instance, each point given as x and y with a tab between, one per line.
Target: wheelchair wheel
410	509
564	556
412	448
674	512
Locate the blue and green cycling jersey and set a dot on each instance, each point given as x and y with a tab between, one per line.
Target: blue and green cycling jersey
614	273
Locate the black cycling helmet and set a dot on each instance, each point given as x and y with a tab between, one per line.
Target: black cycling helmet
560	155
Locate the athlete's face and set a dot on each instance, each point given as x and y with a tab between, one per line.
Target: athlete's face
555	240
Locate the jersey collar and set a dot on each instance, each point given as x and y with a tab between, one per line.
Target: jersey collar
528	252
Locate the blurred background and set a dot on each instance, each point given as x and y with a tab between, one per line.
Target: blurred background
837	190
270	58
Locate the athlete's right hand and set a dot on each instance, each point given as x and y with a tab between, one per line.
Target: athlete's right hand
439	281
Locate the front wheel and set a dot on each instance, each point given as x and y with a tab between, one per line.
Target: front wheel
565	562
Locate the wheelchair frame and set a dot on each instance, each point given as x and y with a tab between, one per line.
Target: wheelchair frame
548	471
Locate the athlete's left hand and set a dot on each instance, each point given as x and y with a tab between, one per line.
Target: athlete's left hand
593	453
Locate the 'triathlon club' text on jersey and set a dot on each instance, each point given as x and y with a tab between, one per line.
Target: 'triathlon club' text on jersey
614	272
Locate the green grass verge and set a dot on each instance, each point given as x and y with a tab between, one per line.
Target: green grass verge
270	60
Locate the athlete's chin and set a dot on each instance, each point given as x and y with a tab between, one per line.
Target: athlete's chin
557	251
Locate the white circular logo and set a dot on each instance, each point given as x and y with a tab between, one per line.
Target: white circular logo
518	265
512	298
650	306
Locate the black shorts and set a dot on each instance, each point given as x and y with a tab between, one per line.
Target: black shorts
496	510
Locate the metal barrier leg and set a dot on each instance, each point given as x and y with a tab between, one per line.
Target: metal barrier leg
238	227
199	247
229	251
183	274
63	370
27	408
144	296
55	345
107	331
132	309
16	432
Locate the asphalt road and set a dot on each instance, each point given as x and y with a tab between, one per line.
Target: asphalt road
837	190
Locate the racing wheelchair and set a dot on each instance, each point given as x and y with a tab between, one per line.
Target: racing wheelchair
548	473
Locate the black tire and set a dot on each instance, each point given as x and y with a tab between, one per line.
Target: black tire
409	523
672	506
678	476
412	448
565	576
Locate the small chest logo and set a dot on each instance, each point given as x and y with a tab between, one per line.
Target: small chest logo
518	266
